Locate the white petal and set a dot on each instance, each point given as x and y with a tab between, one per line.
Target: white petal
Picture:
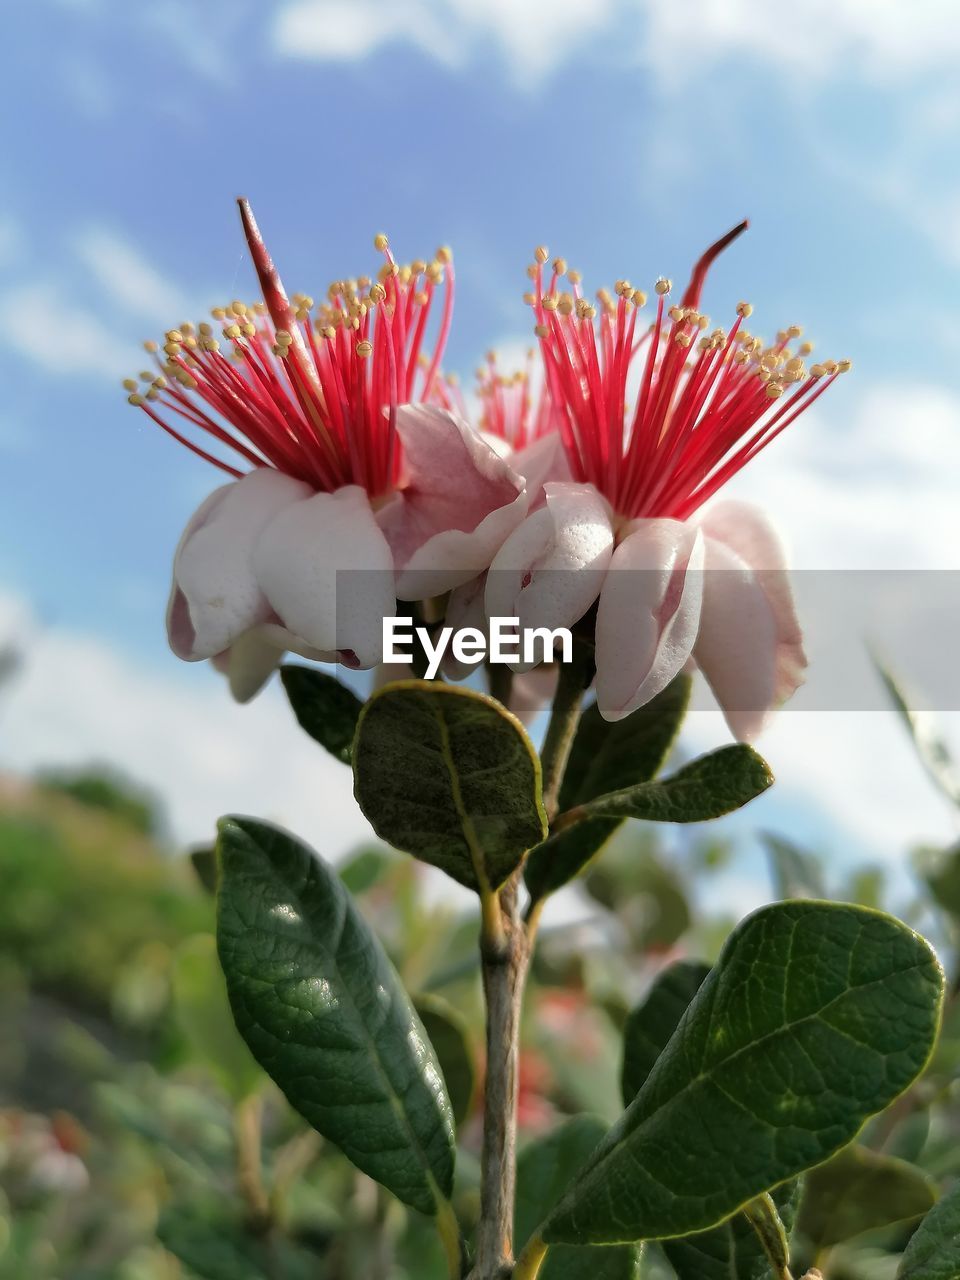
550	570
458	504
648	615
750	647
215	596
327	571
249	663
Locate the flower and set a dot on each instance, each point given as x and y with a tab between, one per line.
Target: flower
625	530
353	465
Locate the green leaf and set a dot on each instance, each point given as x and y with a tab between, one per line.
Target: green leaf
450	1038
545	1170
860	1190
559	859
709	787
731	1251
215	1246
364	869
816	1016
609	755
796	872
203	1011
605	757
325	708
323	1011
930	747
934	1249
450	776
649	1027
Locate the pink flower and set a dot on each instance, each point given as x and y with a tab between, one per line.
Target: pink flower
625	531
352	466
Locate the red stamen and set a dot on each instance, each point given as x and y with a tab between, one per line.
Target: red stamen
315	396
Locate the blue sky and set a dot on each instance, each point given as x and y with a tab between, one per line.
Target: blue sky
623	134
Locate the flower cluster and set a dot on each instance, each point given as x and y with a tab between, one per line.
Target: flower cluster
356	478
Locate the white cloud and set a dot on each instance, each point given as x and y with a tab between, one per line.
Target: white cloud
128	280
873	40
534	37
875	489
47	327
78	700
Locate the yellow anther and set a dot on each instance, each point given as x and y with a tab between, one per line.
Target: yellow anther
541	253
541	330
445	254
831	366
794	331
187	327
151	394
817	371
683	339
160	383
622	288
418	266
774	390
218	313
231	331
844	366
283	338
129	384
150	346
793	364
638	297
380	242
377	293
421	298
172	348
250	330
364	349
574	276
745	309
135	399
663	286
206	329
676	314
560	266
329	331
530	299
805	348
238	308
549	302
174	335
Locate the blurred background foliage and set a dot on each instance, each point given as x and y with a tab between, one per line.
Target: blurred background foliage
139	1140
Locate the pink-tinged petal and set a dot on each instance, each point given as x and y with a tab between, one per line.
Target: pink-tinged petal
457	505
748	533
750	647
327	572
550	570
649	613
540	463
215	597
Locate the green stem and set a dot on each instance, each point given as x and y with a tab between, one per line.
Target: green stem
572	679
763	1217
